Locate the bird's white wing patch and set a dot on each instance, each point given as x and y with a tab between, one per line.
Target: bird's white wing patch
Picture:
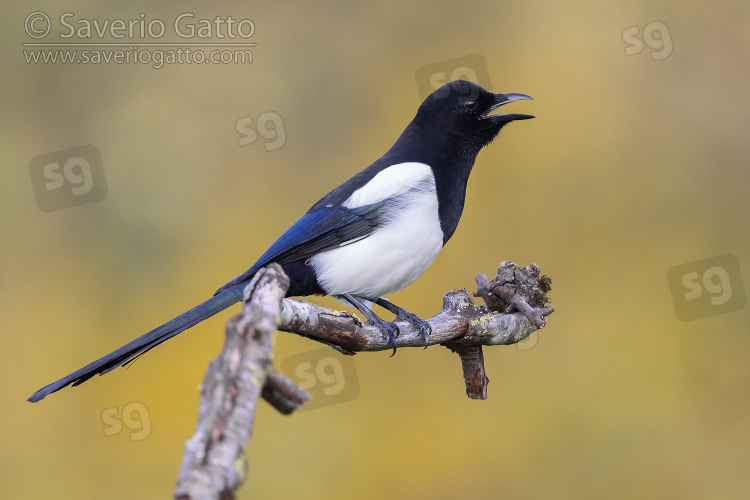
389	183
403	246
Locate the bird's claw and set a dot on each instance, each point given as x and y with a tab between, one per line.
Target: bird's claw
424	331
422	326
390	332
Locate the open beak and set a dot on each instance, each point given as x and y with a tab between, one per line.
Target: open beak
501	99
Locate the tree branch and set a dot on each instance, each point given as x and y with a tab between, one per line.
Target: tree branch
460	321
213	464
462	326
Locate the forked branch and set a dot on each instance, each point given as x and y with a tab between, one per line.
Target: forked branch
213	464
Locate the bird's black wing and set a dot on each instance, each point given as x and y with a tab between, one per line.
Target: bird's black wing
318	230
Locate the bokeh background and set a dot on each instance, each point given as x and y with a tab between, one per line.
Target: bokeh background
636	163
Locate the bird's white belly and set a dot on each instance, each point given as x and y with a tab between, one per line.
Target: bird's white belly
393	256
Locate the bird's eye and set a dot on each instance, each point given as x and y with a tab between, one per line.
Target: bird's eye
470	104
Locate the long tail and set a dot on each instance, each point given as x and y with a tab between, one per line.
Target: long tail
126	353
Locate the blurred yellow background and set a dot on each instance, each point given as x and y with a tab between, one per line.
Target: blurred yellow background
635	164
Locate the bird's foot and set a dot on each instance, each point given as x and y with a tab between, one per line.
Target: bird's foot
390	331
422	326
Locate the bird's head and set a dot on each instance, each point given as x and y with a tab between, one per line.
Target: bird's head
463	109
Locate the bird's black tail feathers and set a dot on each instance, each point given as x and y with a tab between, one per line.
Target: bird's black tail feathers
134	348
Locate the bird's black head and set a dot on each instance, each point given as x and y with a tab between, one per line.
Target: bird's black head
461	110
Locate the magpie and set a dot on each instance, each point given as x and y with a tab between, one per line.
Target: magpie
374	234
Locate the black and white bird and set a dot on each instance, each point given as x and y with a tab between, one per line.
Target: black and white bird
374	234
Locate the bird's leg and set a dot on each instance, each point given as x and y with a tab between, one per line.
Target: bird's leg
421	325
390	331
